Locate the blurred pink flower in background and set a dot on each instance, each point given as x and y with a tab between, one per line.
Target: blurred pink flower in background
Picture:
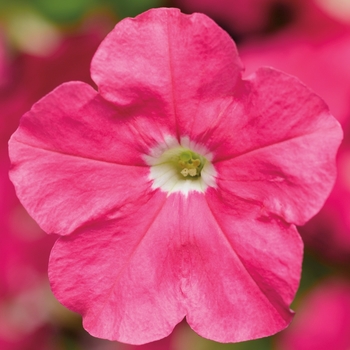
144	244
316	49
242	17
24	251
26	304
322	321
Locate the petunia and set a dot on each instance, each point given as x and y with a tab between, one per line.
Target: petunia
177	185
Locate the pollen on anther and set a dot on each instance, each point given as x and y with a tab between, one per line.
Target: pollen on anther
192	172
185	172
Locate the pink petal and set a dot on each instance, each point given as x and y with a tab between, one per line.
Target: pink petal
269	107
125	283
169	63
157	263
70	152
328	233
73	119
279	158
244	270
282	178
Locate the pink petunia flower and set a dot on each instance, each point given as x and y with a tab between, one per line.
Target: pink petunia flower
177	186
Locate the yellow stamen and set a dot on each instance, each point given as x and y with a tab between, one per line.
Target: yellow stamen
190	163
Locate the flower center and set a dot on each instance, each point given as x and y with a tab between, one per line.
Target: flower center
181	167
190	164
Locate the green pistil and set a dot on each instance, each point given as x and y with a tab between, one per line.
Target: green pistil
190	164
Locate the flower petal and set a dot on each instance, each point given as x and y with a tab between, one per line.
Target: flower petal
279	157
70	151
268	107
168	63
233	279
122	274
244	270
74	119
290	179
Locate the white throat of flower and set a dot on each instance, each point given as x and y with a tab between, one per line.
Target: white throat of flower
181	167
